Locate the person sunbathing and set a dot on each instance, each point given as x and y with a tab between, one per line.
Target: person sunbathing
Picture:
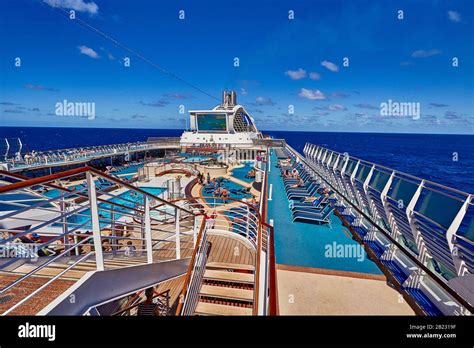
310	199
300	183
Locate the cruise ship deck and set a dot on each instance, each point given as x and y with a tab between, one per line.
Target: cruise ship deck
309	282
226	221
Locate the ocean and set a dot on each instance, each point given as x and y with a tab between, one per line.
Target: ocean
445	159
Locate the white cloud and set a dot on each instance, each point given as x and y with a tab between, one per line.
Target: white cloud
425	54
88	51
259	101
330	66
314	76
337	107
311	94
243	91
296	74
78	5
454	16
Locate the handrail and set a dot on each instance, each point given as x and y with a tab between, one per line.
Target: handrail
81	194
273	284
51	156
51	260
47	181
257	271
262	213
391	170
25	299
386	234
187	279
76	171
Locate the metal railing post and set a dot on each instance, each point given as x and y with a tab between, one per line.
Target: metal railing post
178	237
247	232
99	258
195	231
149	246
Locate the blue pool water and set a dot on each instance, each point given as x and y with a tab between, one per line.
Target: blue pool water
195	159
132	169
104	208
301	244
241	172
153	190
236	191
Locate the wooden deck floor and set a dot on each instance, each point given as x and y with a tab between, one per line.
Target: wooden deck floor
175	285
224	249
230	250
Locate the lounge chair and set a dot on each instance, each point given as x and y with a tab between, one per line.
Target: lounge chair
314	218
315	204
312	210
299	194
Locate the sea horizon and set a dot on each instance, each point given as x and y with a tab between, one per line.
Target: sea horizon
262	130
446	159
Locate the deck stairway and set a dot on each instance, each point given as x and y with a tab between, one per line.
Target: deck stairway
227	289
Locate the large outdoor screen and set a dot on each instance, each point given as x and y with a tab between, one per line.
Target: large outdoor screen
211	122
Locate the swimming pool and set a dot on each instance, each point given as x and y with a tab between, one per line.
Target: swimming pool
55	193
240	173
236	191
195	159
132	169
127	199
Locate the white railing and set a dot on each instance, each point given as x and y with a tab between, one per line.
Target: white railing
53	157
366	193
105	219
193	281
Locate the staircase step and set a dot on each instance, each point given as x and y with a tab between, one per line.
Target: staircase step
225	265
235	277
227	293
204	308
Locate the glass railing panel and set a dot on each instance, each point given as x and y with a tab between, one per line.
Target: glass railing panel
342	162
402	190
438	207
378	180
362	173
466	229
350	167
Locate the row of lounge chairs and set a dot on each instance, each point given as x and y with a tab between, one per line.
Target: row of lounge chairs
315	212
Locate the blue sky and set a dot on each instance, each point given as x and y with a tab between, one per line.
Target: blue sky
283	62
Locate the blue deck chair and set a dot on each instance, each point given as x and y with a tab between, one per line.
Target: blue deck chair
315	204
318	210
314	218
299	194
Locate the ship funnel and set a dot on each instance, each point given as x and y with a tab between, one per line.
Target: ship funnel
233	98
229	98
224	98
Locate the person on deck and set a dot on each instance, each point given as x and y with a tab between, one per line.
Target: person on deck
224	195
147	307
300	183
